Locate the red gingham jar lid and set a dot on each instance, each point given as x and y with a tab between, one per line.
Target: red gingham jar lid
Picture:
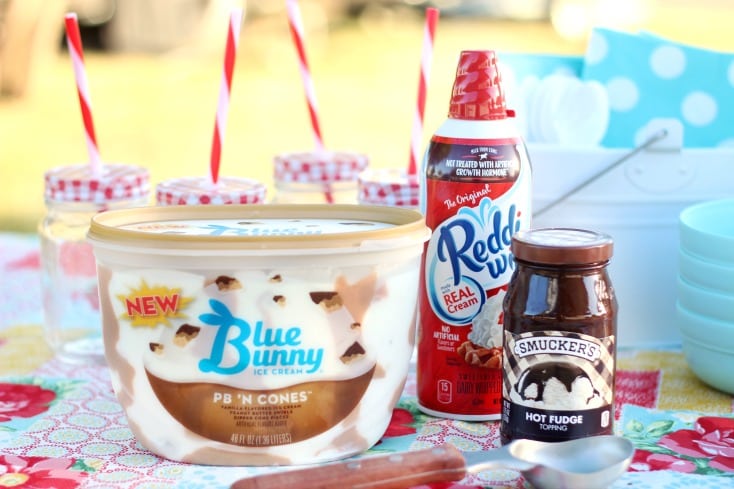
319	166
202	191
80	183
388	187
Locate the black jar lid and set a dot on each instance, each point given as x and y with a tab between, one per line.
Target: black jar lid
561	246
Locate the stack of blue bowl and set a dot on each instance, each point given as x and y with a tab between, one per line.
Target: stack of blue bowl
705	306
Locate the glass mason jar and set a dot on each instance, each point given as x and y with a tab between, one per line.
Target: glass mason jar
319	177
389	186
202	191
73	194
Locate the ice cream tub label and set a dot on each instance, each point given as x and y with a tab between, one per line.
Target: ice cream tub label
258	334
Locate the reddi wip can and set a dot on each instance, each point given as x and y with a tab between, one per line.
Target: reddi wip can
476	195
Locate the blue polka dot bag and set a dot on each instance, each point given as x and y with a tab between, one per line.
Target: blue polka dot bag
648	77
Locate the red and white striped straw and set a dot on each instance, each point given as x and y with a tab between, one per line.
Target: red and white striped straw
225	88
74	40
416	139
296	28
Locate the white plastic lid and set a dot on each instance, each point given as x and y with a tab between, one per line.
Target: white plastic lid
262	229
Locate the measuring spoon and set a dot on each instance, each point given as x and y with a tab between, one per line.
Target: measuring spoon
585	463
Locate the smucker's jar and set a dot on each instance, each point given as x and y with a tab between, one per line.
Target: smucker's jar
560	325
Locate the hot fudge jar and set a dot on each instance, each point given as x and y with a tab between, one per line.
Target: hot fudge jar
560	327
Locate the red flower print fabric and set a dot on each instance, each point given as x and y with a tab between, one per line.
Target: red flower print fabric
23	400
39	473
645	461
447	485
712	437
402	423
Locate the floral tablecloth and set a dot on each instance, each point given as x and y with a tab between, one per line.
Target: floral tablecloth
61	426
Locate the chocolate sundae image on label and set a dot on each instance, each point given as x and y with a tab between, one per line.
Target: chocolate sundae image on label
237	359
469	254
559	371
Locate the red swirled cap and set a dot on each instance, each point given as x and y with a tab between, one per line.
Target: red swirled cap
477	92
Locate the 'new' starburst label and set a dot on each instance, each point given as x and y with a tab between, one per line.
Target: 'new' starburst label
150	306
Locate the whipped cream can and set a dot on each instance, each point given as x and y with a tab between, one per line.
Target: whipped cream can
476	195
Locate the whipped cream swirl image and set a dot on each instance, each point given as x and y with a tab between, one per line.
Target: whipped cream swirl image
486	328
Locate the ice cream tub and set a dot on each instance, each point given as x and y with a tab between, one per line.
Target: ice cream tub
258	334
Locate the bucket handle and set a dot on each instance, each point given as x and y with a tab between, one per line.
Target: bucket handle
655	137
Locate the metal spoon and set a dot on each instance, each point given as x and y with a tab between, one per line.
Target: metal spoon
585	463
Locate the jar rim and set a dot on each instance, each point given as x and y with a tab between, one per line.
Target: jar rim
562	246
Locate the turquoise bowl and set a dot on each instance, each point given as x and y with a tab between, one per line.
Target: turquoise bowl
707	230
713	366
708	346
705	329
706	274
706	302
